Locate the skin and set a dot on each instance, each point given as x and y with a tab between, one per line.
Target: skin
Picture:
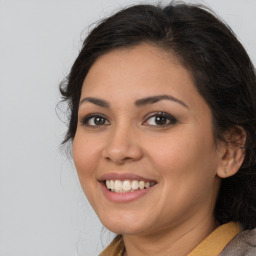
182	156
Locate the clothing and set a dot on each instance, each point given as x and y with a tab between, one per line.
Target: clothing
226	240
116	248
244	244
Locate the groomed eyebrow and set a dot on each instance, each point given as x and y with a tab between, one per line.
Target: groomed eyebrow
138	103
154	99
96	101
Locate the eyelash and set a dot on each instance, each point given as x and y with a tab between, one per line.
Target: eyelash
169	119
87	118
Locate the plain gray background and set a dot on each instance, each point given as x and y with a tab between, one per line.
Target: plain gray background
42	208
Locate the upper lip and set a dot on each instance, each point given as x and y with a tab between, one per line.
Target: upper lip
123	176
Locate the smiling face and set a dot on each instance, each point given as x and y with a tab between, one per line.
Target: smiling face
142	122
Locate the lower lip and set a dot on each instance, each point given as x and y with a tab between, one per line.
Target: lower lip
124	197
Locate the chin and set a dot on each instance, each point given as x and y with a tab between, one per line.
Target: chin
123	223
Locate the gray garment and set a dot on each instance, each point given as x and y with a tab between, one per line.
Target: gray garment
243	244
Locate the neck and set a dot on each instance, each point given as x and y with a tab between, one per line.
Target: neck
178	241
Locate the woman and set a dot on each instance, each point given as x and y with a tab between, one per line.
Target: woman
163	127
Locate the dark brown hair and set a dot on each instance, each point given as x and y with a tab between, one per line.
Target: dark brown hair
219	65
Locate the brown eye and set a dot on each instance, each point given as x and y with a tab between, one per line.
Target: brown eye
95	120
99	121
161	119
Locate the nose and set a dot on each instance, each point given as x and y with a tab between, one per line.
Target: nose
123	146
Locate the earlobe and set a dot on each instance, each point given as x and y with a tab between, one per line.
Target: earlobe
232	152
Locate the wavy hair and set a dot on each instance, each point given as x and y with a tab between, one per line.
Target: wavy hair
220	67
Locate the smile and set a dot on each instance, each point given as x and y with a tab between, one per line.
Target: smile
127	186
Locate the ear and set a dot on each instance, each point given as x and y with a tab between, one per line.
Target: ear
232	152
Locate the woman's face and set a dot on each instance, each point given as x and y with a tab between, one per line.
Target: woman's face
142	122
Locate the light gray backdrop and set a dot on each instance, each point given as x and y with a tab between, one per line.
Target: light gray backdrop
42	208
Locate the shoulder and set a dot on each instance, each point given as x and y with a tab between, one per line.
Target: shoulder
243	244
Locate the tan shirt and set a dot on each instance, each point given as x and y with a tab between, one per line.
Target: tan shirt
212	245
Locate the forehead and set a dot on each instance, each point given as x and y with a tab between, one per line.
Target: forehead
140	71
140	61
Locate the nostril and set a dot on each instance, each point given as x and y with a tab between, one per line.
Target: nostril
122	154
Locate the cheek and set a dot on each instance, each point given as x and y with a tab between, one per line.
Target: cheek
85	157
184	153
187	166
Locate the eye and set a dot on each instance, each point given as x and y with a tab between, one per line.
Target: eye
95	120
160	119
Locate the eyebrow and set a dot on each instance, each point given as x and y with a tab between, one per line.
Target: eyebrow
154	99
138	103
96	101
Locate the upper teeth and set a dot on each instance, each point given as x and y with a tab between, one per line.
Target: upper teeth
127	185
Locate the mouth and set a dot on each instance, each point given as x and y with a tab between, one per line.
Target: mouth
127	186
